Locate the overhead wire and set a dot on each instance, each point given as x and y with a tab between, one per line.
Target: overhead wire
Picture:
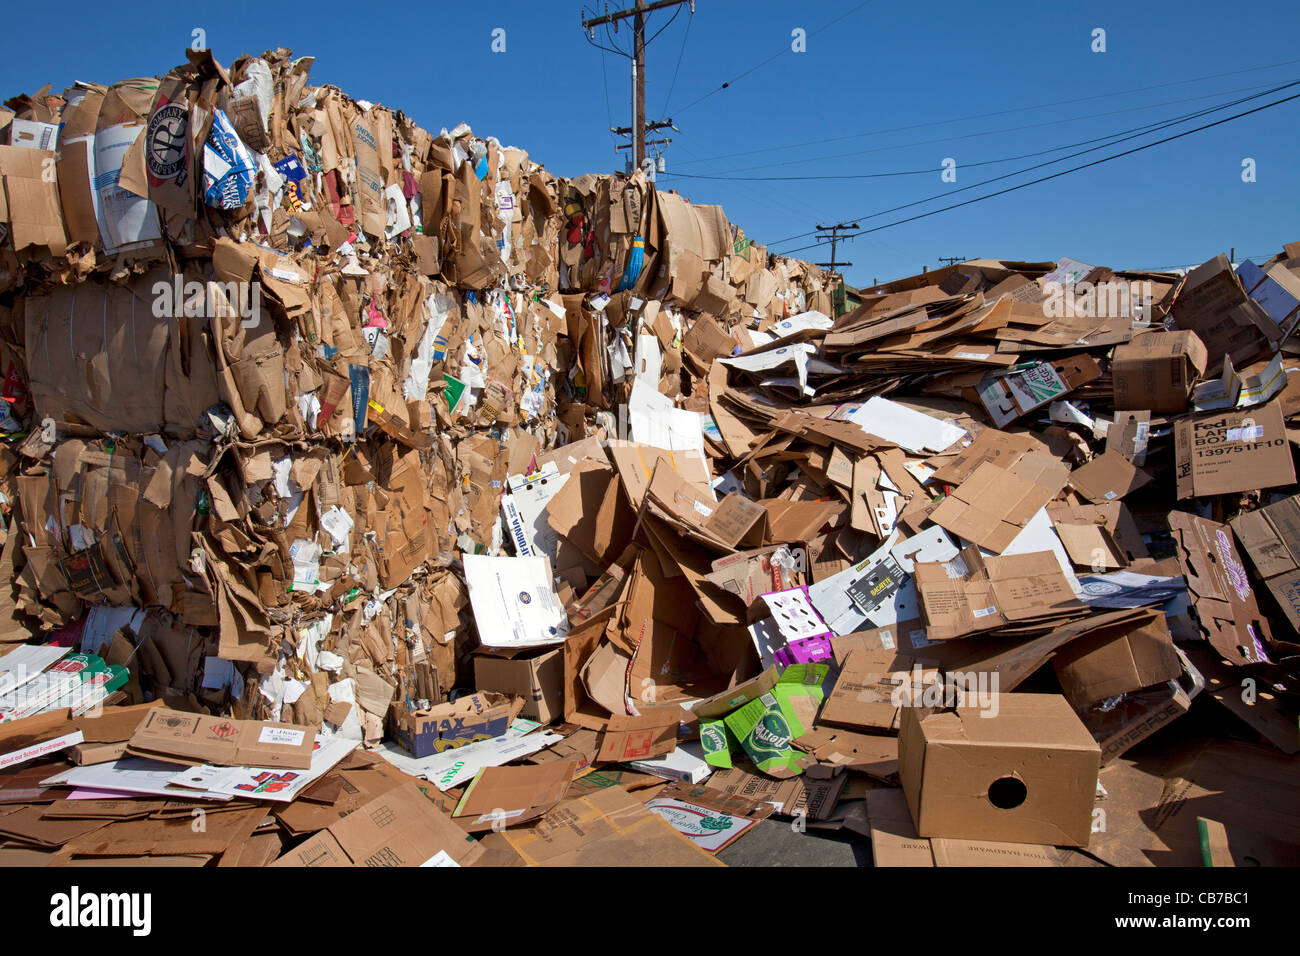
1057	175
965	165
758	66
1113	140
1016	109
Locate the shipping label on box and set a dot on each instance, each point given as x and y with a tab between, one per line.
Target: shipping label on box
1233	451
523	510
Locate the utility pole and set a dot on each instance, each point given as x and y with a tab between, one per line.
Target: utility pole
638	14
835	233
952	260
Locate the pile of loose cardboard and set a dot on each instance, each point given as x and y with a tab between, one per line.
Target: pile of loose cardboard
405	504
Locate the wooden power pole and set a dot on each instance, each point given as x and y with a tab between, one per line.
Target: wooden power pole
835	233
638	14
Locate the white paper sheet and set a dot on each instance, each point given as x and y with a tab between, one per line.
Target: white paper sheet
137	775
264	783
656	421
452	767
514	602
21	665
909	429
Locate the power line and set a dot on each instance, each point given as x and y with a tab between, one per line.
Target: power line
965	165
672	86
1017	109
1075	169
1113	140
609	110
665	26
994	132
774	56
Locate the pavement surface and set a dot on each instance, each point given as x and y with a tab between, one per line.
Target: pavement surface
777	843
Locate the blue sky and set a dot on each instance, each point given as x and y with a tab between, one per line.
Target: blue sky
883	87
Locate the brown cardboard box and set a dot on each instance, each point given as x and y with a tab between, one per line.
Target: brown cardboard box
1156	371
537	677
1213	304
1139	714
1026	775
1104	665
441	727
995	592
1232	451
651	734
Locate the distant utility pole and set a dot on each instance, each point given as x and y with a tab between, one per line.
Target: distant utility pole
952	260
637	13
841	230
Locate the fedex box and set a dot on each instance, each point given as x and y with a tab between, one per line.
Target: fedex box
1023	773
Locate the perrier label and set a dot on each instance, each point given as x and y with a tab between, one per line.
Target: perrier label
770	736
713	740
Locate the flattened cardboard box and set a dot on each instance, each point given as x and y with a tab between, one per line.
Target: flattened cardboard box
991	445
865	693
400	828
1232	451
710	817
1219	589
995	592
607	828
1026	775
894	842
994	504
174	734
837	749
1108	477
1271	537
651	734
814	796
507	796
